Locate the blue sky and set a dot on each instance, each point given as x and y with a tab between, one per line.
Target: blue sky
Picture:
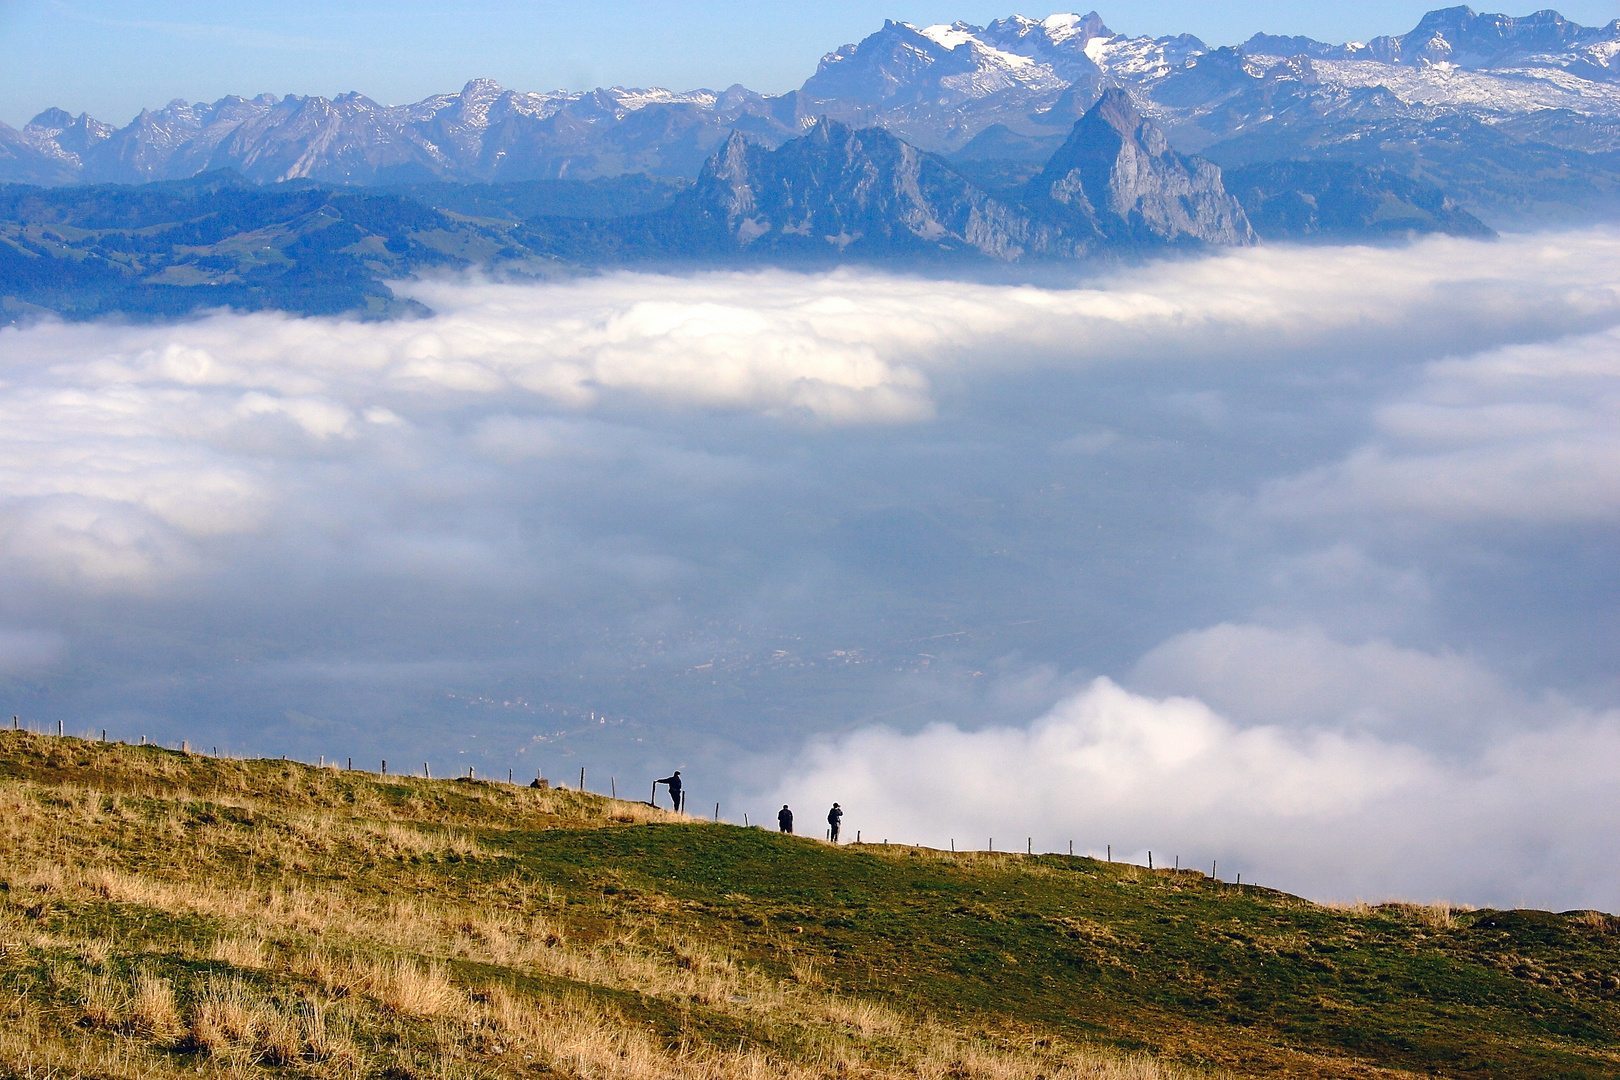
110	59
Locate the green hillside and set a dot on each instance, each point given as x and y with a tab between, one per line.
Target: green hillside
168	914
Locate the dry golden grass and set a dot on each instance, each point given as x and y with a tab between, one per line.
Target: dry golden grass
1595	920
321	923
152	1011
1436	916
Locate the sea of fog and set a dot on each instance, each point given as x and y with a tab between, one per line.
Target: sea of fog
1299	559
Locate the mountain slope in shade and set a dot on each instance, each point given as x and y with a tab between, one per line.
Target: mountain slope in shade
841	189
1342	202
168	249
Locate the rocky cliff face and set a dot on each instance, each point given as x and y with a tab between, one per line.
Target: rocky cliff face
1114	186
1117	181
840	189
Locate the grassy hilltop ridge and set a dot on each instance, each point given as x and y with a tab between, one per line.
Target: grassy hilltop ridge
166	914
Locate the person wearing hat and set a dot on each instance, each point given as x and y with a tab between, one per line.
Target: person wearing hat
834	817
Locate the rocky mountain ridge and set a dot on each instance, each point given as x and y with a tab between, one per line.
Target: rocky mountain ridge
1475	103
485	133
1462	37
937	87
1114	186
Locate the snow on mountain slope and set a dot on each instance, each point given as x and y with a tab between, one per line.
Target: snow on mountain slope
941	85
485	132
1144	60
993	70
1500	92
938	87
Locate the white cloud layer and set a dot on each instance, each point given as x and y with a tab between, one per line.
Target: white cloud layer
1529	433
121	448
1340	518
1302	678
1333	813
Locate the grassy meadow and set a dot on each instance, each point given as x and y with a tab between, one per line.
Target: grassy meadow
165	914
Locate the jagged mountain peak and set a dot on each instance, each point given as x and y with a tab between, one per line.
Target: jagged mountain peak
844	191
1114	108
482	88
1466	38
1058	29
52	119
1118	176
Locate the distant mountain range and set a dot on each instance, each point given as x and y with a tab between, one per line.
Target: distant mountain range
1114	188
1536	91
1015	142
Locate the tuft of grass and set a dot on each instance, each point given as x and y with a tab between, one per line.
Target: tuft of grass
152	1011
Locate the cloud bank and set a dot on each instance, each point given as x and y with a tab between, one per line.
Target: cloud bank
1524	434
1335	804
1334	526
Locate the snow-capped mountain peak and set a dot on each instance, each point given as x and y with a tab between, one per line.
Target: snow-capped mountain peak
1019	82
948	37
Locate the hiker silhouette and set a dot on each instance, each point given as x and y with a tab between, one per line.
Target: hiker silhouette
835	817
673	782
784	819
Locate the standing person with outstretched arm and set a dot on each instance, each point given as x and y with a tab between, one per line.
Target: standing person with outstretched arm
674	784
784	819
835	817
